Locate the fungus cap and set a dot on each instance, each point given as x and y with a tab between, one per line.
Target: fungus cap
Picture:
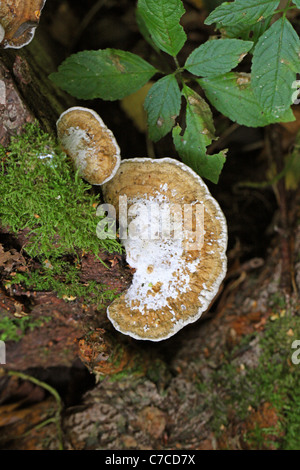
89	143
18	21
177	273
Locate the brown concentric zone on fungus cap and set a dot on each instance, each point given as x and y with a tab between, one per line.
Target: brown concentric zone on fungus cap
19	19
89	143
172	285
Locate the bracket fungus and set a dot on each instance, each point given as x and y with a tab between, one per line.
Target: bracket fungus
18	21
175	236
89	143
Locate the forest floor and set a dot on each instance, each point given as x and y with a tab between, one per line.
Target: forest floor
228	381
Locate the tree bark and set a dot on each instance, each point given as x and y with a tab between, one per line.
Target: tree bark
26	93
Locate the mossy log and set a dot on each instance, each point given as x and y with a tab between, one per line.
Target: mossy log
229	381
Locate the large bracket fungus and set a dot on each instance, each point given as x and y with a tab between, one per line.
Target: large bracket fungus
173	230
175	236
18	21
89	143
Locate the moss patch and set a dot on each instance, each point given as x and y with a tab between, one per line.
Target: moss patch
41	194
13	329
265	397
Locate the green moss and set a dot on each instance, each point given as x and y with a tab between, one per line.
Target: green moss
275	380
40	192
277	300
13	329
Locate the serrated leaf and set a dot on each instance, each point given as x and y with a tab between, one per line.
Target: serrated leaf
241	11
217	56
297	3
161	18
275	65
109	74
163	106
232	95
198	134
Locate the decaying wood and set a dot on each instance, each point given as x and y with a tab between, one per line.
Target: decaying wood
26	93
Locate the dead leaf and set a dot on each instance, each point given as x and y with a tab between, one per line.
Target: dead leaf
133	105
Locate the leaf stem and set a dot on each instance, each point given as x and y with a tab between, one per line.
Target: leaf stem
177	64
52	390
284	10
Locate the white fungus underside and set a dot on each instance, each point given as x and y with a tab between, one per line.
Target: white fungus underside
79	144
2	33
155	261
76	140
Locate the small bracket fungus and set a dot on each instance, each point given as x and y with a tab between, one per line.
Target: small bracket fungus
175	236
18	21
89	143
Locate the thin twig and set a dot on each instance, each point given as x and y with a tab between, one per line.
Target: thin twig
220	142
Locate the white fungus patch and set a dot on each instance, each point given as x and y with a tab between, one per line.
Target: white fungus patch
2	33
162	271
76	140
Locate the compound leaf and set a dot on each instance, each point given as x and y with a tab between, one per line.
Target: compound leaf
217	56
275	65
162	104
161	18
109	74
241	11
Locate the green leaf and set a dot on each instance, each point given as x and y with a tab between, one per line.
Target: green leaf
241	11
232	95
246	32
163	106
143	29
275	65
161	18
109	74
199	133
217	56
297	3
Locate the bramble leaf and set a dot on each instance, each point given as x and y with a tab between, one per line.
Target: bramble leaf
232	95
198	134
275	65
109	74
162	104
239	11
161	18
297	3
217	56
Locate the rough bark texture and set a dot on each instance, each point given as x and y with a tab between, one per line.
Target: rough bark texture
26	93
